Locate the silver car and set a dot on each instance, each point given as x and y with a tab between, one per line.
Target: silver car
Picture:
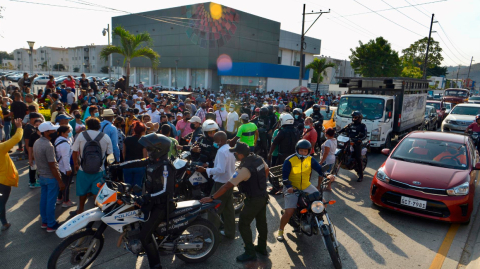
460	117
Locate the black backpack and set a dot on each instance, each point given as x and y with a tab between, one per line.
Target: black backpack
93	157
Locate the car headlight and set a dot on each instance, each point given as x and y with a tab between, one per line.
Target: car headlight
317	207
375	134
461	189
382	176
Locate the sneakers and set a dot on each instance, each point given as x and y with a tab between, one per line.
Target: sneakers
20	150
360	179
54	228
59	201
261	250
69	204
34	185
280	236
44	226
6	226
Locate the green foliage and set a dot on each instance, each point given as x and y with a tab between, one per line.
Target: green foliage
437	71
104	69
44	65
131	46
319	67
376	59
76	69
5	55
412	72
415	54
58	67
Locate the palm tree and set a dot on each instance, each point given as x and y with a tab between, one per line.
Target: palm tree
319	67
132	46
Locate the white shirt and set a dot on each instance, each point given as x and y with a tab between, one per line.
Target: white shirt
63	152
105	143
70	97
232	118
155	115
332	144
224	165
220	117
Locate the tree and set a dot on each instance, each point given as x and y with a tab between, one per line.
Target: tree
104	69
44	65
437	71
319	67
376	59
76	69
412	72
58	67
132	46
5	56
415	54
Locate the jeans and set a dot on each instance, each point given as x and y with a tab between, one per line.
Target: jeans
134	176
48	199
7	127
5	191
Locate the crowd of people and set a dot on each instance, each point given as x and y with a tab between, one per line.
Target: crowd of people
86	122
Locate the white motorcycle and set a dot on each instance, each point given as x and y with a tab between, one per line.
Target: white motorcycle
187	235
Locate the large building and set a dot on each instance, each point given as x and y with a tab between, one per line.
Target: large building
212	46
86	59
44	59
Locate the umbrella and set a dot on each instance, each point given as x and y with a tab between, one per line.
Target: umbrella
301	89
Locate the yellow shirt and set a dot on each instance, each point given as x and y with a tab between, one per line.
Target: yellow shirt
34	104
8	171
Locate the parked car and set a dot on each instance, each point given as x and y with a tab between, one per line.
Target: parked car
448	107
429	174
15	78
431	118
13	75
328	114
456	96
59	80
437	97
41	80
460	117
474	100
439	107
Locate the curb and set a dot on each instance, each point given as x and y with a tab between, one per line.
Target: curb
469	250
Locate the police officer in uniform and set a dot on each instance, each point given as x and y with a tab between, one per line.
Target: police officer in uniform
264	127
246	110
298	121
357	131
251	178
159	186
317	122
286	139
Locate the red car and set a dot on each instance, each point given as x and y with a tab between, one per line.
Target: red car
440	108
429	174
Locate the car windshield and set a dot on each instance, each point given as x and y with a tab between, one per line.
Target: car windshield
466	110
447	105
326	116
432	152
456	93
371	108
436	105
475	98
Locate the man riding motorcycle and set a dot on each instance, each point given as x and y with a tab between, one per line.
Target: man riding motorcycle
159	187
317	122
296	173
286	139
357	131
475	127
264	126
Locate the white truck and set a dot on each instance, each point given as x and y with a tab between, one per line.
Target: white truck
391	107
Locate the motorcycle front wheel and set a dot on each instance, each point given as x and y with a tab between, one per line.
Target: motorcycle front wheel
204	231
336	166
72	252
332	250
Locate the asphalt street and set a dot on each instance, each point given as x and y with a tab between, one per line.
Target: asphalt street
369	237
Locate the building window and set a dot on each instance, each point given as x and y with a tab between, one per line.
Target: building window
93	57
280	57
61	59
296	58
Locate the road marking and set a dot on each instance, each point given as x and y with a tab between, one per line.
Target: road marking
443	251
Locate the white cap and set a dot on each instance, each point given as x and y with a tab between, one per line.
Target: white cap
47	126
139	91
180	114
195	119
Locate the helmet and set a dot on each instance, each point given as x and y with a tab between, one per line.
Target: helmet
297	110
257	109
286	119
270	109
264	111
477	117
157	145
209	125
210	116
358	114
316	107
303	144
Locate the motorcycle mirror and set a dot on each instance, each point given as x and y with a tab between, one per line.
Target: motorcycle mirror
137	188
331	202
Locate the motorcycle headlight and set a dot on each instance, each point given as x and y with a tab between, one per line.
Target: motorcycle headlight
341	144
459	190
317	207
382	176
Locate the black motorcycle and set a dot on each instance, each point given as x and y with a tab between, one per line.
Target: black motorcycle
344	155
192	185
311	218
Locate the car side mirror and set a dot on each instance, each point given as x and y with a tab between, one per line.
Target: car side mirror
477	166
389	114
386	152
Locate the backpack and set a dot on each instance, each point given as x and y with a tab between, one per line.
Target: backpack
55	146
93	157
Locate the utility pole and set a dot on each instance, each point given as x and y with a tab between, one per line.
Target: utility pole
302	39
468	76
428	48
456	81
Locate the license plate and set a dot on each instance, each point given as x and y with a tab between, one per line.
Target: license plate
413	202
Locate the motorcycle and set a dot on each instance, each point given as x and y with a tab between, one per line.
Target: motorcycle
344	154
309	219
475	138
320	129
192	185
186	234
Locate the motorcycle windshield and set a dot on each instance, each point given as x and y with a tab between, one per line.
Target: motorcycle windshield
179	163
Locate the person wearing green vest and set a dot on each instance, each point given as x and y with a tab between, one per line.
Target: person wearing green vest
247	133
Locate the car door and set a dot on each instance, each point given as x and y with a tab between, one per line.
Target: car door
474	157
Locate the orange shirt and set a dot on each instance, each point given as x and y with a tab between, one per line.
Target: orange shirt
461	158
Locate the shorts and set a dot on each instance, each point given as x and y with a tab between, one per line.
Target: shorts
87	183
327	168
291	199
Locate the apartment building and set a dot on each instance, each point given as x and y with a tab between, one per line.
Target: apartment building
86	59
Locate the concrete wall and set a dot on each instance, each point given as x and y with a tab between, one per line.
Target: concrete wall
291	41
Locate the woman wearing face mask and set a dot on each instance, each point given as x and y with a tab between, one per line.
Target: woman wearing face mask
76	121
63	152
221	116
151	127
310	134
328	155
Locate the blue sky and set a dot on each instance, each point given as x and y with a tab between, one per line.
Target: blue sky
340	30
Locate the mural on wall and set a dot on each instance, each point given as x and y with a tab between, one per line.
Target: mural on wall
211	25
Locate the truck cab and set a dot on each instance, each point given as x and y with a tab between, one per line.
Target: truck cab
456	96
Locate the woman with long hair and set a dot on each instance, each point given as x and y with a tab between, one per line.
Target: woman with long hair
134	151
63	152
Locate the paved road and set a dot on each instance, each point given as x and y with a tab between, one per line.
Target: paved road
369	237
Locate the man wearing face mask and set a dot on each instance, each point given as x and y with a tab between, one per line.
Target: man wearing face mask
221	115
232	122
129	121
221	172
298	121
159	187
264	124
246	110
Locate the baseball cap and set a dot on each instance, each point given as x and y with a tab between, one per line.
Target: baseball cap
195	119
232	105
241	148
35	115
47	126
244	117
180	114
63	117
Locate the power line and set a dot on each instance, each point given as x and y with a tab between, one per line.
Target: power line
451	41
417	8
52	5
445	43
404	14
387	18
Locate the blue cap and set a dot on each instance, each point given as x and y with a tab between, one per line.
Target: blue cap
63	117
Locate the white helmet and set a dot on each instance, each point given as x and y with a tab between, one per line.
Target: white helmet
286	119
209	125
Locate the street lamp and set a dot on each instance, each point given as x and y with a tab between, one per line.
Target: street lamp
106	31
30	45
176	69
